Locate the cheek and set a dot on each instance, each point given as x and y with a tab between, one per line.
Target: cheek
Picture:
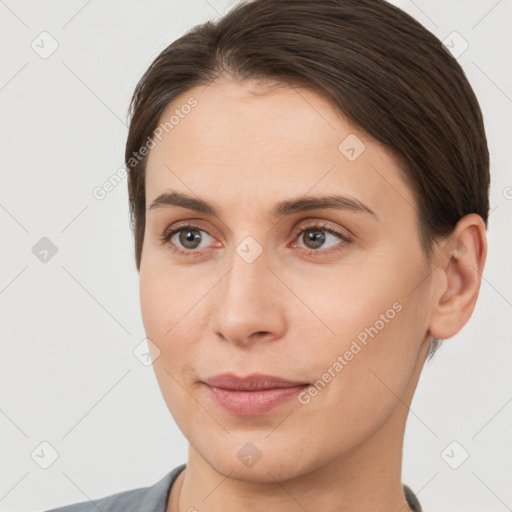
173	314
168	299
371	320
379	328
166	314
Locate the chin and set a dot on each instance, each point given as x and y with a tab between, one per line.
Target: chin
267	470
253	458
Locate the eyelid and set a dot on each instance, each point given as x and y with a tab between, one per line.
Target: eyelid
319	223
182	224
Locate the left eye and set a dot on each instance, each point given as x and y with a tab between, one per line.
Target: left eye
316	236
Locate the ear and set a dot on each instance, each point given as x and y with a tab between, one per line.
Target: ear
460	261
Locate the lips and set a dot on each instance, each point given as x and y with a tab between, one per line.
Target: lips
253	395
252	382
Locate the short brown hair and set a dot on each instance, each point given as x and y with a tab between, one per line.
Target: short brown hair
380	67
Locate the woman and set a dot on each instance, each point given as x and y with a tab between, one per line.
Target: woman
309	195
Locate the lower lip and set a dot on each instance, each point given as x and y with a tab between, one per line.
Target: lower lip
253	403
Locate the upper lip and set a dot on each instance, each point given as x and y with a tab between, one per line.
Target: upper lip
255	381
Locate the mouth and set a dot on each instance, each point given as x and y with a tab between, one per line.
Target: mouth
254	395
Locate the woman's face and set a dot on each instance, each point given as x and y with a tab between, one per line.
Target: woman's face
335	298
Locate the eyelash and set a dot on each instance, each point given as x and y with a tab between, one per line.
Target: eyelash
319	226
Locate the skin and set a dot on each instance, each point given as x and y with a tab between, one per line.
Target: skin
291	314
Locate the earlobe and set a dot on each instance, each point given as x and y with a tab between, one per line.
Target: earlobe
460	261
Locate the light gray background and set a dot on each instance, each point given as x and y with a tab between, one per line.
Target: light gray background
69	326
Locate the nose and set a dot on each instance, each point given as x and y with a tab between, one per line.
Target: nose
250	306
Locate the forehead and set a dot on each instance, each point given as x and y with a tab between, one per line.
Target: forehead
246	143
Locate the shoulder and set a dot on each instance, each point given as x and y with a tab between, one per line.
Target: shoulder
149	499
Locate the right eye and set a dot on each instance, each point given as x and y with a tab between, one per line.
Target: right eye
185	239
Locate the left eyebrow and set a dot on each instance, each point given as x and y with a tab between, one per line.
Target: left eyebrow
280	209
291	206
